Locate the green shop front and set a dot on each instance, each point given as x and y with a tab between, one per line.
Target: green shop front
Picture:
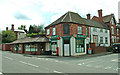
68	45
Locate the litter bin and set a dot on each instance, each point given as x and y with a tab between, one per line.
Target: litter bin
89	51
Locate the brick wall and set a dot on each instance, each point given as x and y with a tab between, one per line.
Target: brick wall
73	29
6	47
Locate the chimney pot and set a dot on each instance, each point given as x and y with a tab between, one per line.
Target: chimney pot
88	16
6	28
12	27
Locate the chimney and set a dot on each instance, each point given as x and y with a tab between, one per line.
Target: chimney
12	27
100	15
6	28
88	16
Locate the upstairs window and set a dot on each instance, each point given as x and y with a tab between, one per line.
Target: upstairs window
86	31
95	29
101	30
66	29
53	30
79	30
106	40
105	31
101	39
48	31
117	31
112	29
112	21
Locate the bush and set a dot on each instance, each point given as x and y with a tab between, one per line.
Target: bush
109	49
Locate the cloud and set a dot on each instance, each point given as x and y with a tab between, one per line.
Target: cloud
21	16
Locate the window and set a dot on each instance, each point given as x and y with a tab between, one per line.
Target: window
19	33
95	29
112	30
19	46
79	30
86	31
112	21
15	47
31	47
80	46
101	39
106	40
112	39
101	30
66	29
53	30
117	31
48	31
27	47
117	39
105	31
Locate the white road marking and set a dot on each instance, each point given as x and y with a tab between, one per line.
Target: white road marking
88	65
28	64
0	73
107	67
57	71
116	60
80	64
9	58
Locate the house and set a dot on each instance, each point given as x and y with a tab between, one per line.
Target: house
111	23
37	45
18	33
71	34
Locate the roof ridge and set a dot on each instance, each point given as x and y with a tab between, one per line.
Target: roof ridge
70	17
64	17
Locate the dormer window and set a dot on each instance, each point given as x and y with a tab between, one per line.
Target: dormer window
48	31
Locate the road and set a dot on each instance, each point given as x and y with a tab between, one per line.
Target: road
17	63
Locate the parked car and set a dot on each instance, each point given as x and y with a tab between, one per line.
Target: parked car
116	47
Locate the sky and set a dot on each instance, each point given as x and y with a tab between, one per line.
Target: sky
29	12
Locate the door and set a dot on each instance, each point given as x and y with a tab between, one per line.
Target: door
42	48
54	45
95	40
66	47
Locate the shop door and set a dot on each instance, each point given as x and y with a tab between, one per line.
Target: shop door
42	48
54	45
66	47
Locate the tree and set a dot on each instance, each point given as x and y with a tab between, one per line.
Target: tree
31	29
8	36
22	27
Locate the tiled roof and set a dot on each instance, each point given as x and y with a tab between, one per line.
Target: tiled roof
31	39
107	18
73	17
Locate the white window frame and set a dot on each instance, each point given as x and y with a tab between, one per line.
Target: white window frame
48	31
101	38
79	29
112	30
53	31
94	29
106	40
112	21
101	30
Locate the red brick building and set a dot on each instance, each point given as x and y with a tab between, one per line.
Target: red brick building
70	34
111	23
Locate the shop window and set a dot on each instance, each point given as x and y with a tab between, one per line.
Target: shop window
27	47
79	30
33	47
80	46
101	39
19	46
15	47
53	31
54	45
48	31
66	29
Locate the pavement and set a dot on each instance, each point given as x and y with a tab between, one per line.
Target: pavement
80	56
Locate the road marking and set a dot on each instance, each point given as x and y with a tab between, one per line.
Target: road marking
28	64
57	71
9	58
116	60
80	64
107	67
88	65
0	73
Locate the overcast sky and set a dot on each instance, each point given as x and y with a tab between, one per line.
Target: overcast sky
28	12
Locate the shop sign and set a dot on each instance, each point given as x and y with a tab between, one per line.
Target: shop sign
55	36
81	36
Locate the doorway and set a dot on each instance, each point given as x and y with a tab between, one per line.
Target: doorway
66	47
42	48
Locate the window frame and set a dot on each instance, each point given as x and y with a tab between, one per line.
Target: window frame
48	31
54	31
101	40
80	29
